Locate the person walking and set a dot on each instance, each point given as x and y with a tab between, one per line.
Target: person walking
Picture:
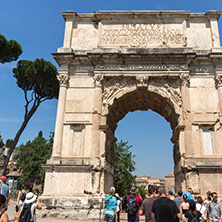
4	190
28	212
21	196
193	214
215	209
201	208
164	209
110	206
133	202
119	207
184	206
178	200
147	205
3	216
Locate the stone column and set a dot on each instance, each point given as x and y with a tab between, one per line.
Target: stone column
185	80
96	115
96	159
57	145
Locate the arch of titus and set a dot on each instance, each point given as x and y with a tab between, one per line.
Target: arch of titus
115	62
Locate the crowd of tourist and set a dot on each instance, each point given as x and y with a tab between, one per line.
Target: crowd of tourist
162	207
27	203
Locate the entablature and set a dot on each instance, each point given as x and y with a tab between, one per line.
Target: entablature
160	57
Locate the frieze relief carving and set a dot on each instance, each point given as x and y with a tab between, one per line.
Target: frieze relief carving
114	86
142	67
142	35
198	70
166	88
174	94
142	81
169	89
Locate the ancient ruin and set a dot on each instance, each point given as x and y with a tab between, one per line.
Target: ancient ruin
115	62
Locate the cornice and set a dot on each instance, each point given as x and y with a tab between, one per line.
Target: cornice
114	15
123	56
136	56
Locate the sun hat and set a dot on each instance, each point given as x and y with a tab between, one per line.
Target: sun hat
30	197
133	190
3	177
117	195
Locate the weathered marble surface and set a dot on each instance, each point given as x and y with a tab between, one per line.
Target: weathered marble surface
116	62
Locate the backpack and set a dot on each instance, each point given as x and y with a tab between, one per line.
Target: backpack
22	195
25	215
131	207
194	219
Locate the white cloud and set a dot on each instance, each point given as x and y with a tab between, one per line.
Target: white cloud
12	120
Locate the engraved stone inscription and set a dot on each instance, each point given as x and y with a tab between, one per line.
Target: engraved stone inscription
77	137
207	142
142	35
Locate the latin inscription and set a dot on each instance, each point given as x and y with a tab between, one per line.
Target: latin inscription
207	142
142	35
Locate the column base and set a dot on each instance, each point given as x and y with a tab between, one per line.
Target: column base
87	208
54	160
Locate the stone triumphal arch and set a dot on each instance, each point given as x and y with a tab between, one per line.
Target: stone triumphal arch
115	62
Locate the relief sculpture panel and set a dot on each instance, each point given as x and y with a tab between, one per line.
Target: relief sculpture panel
142	35
114	86
167	88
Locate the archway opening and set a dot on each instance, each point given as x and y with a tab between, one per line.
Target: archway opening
161	101
149	134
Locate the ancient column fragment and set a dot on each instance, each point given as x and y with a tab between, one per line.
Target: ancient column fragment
57	145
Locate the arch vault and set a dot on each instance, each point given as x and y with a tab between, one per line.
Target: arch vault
116	62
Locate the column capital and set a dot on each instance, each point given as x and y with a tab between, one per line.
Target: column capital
63	77
185	79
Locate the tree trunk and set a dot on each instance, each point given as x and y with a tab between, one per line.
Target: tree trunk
18	134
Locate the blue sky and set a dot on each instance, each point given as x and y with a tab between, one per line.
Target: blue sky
39	27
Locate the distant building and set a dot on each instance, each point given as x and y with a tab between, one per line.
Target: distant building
168	182
142	180
11	172
4	152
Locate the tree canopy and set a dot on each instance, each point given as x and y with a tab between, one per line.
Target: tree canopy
124	165
38	80
9	50
1	142
33	154
39	77
8	142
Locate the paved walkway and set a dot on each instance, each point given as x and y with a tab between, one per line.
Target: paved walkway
11	212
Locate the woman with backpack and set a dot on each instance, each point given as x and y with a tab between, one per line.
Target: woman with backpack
193	215
110	206
3	216
200	207
21	197
28	212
